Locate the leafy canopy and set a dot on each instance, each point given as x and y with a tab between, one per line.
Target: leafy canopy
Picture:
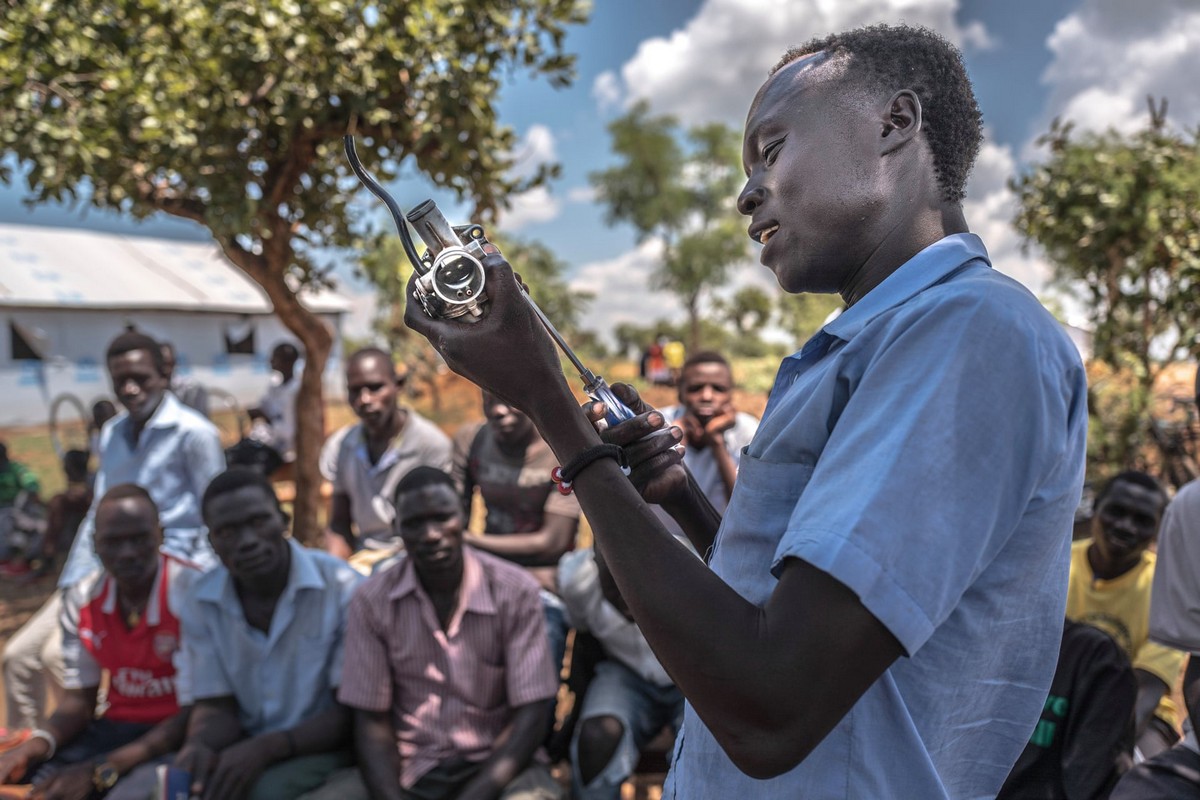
682	190
231	114
1119	218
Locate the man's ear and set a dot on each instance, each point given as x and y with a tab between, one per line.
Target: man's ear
901	121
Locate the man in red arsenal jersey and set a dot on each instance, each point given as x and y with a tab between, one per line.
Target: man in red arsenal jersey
120	620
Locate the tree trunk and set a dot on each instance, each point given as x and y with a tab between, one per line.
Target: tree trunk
693	312
310	407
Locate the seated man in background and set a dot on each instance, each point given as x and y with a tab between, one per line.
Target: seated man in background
122	621
365	461
267	626
18	495
274	418
1084	741
629	700
66	510
528	522
451	683
715	432
189	390
1109	588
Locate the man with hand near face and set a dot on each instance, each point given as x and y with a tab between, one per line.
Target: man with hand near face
881	613
1111	577
365	461
264	630
452	684
122	620
159	444
714	431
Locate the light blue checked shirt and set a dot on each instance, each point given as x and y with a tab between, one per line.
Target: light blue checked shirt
176	456
926	449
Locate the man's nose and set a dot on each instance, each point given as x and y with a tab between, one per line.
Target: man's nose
431	533
750	199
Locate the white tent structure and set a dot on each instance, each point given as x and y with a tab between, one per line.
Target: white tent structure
66	293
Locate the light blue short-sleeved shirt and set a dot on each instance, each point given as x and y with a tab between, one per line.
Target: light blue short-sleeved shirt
282	677
174	458
926	449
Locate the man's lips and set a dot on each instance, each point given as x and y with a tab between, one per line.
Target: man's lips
762	232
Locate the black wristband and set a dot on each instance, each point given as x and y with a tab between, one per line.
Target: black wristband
565	476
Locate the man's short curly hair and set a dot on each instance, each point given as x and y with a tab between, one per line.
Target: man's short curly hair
891	58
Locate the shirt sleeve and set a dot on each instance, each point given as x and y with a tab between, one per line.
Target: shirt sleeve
348	580
937	454
205	458
200	648
331	460
1175	598
181	582
80	669
1164	663
369	685
528	671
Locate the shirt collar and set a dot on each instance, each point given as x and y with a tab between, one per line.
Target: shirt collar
167	415
920	272
475	595
218	588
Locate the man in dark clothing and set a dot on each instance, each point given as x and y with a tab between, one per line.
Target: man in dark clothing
1084	740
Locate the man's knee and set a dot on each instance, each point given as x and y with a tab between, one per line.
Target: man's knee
599	738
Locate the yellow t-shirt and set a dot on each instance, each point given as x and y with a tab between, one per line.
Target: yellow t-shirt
1121	608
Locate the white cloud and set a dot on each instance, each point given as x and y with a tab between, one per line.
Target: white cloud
607	90
1109	55
621	289
528	208
582	194
538	147
710	68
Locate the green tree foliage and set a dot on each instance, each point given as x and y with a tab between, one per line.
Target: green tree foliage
230	115
1118	216
802	315
747	310
680	190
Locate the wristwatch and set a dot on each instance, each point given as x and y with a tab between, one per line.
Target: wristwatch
105	776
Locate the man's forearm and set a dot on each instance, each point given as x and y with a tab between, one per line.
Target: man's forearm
72	716
214	724
1151	689
163	738
322	733
378	758
513	750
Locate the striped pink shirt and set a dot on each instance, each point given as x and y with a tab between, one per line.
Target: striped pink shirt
451	692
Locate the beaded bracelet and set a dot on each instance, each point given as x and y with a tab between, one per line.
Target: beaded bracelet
564	476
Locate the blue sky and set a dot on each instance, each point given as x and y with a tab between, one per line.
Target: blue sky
1092	61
